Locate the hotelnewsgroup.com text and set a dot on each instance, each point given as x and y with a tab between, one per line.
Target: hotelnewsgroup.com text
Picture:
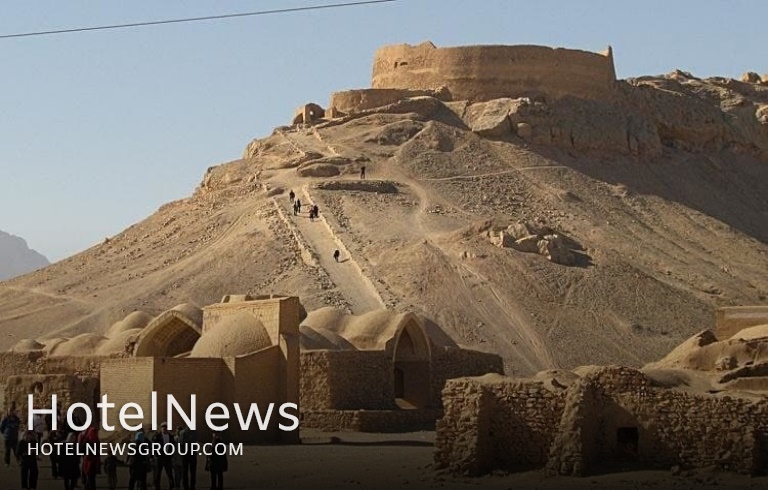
129	449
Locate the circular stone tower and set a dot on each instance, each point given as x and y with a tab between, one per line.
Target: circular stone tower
479	73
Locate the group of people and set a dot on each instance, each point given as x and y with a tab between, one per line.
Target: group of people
26	452
180	467
314	210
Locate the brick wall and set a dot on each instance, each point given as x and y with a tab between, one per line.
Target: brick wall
128	381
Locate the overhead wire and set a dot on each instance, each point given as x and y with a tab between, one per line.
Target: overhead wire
194	19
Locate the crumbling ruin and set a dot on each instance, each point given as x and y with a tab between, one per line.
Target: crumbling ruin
703	405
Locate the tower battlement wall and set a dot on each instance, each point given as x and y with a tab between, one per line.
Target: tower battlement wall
480	73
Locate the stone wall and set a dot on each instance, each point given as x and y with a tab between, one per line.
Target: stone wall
676	427
495	422
14	363
354	101
67	388
346	380
478	73
455	363
355	380
36	363
384	421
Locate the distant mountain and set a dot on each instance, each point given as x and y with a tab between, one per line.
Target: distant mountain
16	258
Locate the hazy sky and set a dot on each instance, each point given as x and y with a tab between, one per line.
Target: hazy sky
98	129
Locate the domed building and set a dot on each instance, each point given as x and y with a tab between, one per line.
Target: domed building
241	351
381	371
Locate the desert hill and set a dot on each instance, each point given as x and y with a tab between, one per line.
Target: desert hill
554	233
16	257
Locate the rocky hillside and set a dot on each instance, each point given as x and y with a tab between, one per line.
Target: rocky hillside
16	257
554	234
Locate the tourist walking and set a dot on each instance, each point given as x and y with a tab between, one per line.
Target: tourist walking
291	196
217	464
138	463
336	255
55	437
188	460
9	427
38	425
91	461
362	172
69	464
163	461
110	468
176	458
28	461
298	206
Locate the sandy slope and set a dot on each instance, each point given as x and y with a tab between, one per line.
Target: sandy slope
665	240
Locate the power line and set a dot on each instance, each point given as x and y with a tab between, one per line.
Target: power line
193	19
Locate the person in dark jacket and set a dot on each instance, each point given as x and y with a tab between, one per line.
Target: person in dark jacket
110	468
53	438
69	464
9	427
28	461
163	461
188	460
138	463
217	464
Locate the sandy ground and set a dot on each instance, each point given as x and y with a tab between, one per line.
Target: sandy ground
664	243
379	461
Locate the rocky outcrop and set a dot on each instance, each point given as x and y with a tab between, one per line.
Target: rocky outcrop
16	258
533	238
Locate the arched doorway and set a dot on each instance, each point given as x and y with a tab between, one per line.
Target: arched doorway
411	373
169	335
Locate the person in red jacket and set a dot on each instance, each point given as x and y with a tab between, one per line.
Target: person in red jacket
91	460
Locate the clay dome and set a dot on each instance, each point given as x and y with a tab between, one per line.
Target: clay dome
236	335
82	345
135	320
330	328
190	311
756	332
320	338
115	343
27	345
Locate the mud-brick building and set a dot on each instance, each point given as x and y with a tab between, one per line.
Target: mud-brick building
238	351
381	371
611	415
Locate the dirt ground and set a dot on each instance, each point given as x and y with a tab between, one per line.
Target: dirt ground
385	461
